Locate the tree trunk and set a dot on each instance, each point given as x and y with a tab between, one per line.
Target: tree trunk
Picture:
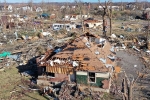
125	89
104	22
82	25
110	19
130	91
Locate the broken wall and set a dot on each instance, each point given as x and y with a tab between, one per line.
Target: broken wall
83	78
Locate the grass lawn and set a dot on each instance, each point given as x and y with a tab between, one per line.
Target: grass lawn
9	86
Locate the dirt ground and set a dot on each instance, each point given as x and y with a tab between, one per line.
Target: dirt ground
131	63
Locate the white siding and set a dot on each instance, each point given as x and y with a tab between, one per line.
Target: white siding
103	75
81	73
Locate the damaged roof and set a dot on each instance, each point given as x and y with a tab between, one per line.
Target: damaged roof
92	21
89	51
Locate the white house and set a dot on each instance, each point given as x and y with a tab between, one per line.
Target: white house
82	16
39	9
64	25
113	7
10	8
73	17
147	9
93	23
62	7
16	15
25	8
73	7
100	7
58	26
66	17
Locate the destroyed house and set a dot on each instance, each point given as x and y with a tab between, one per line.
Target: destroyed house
92	23
86	60
58	26
68	25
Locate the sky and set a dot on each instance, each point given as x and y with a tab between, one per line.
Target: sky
38	1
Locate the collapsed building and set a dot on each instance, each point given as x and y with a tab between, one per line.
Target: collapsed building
92	23
88	60
63	25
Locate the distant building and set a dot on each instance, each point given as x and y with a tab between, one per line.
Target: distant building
39	9
63	25
73	17
131	6
10	8
1	7
25	8
92	23
115	8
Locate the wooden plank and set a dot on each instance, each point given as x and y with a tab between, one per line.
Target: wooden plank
59	70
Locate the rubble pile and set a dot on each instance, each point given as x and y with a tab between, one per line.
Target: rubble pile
70	91
66	91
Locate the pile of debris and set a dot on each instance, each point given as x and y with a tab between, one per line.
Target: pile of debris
71	91
66	91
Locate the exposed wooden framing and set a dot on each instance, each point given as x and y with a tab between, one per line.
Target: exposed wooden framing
60	69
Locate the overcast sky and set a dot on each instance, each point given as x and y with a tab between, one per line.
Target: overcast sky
20	1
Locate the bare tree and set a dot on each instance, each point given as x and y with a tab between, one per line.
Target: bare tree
129	83
5	4
107	11
42	4
104	17
79	3
31	3
110	16
122	6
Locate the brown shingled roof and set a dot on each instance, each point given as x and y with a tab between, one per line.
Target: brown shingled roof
77	50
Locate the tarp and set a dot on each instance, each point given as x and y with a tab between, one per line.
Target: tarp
15	57
4	54
45	15
58	50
